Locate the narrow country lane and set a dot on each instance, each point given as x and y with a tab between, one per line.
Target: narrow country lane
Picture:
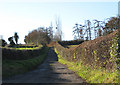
50	71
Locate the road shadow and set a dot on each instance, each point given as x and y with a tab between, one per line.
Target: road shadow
52	66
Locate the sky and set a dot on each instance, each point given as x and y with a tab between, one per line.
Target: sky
23	16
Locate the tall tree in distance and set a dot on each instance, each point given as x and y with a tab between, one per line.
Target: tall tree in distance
98	27
111	25
16	37
38	36
81	27
96	24
88	26
78	31
58	34
50	31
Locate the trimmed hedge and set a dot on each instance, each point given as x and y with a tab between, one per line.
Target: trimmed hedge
16	54
101	52
14	67
73	42
23	46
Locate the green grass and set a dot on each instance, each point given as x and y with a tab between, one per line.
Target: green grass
72	46
14	67
40	46
26	48
98	75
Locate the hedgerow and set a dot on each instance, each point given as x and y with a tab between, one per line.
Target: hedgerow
21	53
72	42
100	53
15	67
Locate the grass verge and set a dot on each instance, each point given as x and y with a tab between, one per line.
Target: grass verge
98	75
13	67
72	46
24	48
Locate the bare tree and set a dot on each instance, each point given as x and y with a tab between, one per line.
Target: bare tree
98	26
76	31
50	31
81	29
88	28
58	27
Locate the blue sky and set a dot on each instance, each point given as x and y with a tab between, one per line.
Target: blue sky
23	17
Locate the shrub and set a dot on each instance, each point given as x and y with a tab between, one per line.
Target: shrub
101	52
97	60
22	66
3	42
17	53
73	42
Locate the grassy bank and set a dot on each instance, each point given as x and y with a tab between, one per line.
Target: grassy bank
71	46
13	67
21	53
98	75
